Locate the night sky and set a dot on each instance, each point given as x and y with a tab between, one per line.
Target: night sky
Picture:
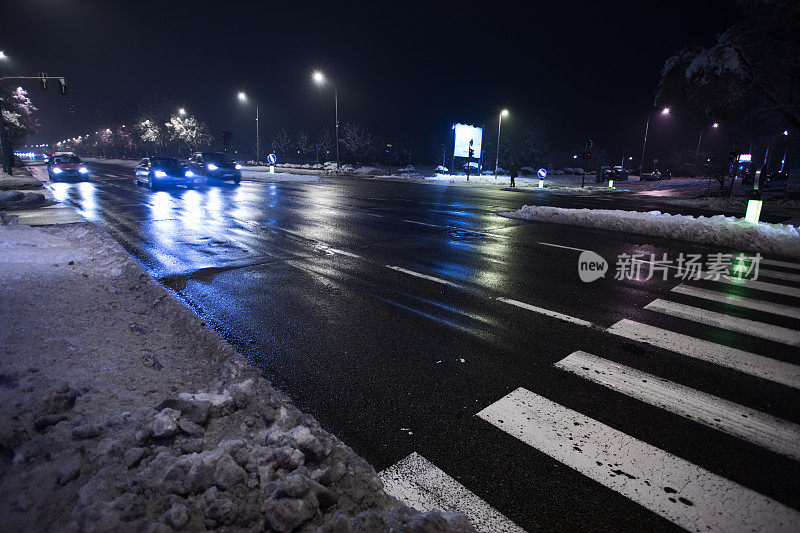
403	68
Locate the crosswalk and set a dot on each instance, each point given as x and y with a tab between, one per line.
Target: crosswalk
706	321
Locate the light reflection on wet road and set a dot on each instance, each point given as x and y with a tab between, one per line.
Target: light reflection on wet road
296	276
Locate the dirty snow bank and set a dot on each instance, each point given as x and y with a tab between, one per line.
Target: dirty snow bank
122	411
719	230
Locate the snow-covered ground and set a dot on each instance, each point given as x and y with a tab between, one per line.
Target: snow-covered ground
122	411
728	232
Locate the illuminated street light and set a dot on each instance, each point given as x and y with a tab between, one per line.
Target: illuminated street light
3	55
664	112
786	132
243	98
715	126
503	113
319	79
182	112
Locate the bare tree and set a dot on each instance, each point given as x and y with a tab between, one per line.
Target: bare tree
303	144
356	139
282	141
325	142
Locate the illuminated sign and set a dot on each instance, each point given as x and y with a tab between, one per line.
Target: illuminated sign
745	158
464	134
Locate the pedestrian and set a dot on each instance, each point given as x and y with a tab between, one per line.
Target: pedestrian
512	171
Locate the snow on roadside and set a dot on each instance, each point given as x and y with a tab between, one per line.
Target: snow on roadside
719	230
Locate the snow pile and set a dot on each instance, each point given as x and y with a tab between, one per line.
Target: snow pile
123	411
441	169
719	230
407	169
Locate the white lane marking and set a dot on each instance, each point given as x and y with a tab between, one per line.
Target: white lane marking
547	312
740	301
457	228
667	485
721	320
374	215
422	223
762	286
778	274
748	424
561	246
342	252
420	484
775	262
424	276
718	354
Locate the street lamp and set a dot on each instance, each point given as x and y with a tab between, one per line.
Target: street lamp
3	55
503	113
664	112
182	112
243	98
714	125
320	79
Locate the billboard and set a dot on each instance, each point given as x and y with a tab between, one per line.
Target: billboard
464	134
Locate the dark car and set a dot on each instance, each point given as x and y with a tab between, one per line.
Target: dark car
215	165
162	171
66	165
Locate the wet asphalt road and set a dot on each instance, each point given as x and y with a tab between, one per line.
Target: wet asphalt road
320	285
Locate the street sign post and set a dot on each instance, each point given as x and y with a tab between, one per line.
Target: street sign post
271	159
542	173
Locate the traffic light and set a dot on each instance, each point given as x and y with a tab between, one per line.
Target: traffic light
63	84
226	137
43	80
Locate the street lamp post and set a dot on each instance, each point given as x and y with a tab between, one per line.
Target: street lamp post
699	140
319	79
243	98
664	111
503	113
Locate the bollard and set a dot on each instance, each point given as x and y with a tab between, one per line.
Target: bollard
272	169
610	184
541	184
753	207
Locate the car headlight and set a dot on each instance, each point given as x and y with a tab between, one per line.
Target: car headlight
83	170
160	174
238	166
57	170
189	174
212	166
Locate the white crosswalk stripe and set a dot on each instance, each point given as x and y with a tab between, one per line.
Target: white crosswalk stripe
749	363
748	424
788	276
674	488
420	484
740	301
732	323
761	286
784	264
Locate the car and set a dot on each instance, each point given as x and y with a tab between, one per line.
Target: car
215	165
65	165
162	171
